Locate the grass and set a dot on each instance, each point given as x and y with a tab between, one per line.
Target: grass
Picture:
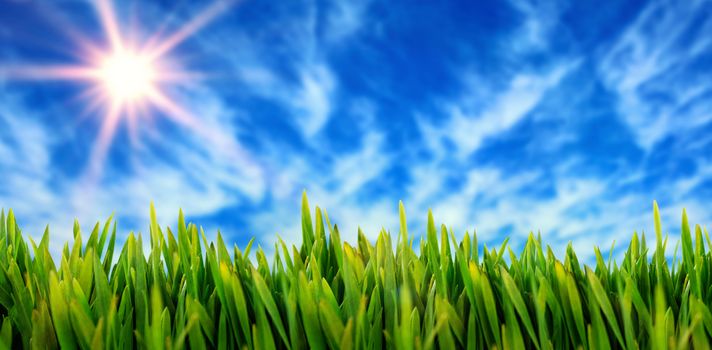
191	293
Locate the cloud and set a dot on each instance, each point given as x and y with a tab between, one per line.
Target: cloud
285	61
27	184
540	20
469	127
312	100
651	67
345	18
335	186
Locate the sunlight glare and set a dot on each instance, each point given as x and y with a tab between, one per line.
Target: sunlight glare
127	76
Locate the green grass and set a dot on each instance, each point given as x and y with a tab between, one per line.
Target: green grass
191	293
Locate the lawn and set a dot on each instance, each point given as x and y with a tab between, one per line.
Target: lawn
325	293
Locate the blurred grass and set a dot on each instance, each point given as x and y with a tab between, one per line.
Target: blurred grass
191	293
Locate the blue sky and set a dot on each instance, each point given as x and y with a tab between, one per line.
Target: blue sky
506	117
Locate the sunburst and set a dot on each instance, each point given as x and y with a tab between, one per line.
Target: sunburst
128	76
126	79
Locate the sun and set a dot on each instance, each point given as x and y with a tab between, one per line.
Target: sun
127	76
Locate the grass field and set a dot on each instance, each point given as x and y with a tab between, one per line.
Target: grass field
191	293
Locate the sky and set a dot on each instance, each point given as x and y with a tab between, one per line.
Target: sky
504	117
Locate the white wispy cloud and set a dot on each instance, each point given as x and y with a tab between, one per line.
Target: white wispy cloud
335	187
649	60
27	184
468	126
345	18
540	19
306	36
313	100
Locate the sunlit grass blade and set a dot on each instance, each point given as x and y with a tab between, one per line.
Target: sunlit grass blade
183	291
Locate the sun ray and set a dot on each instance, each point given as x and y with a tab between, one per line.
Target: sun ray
93	99
101	146
108	127
109	21
172	110
53	72
190	28
131	123
82	47
180	115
